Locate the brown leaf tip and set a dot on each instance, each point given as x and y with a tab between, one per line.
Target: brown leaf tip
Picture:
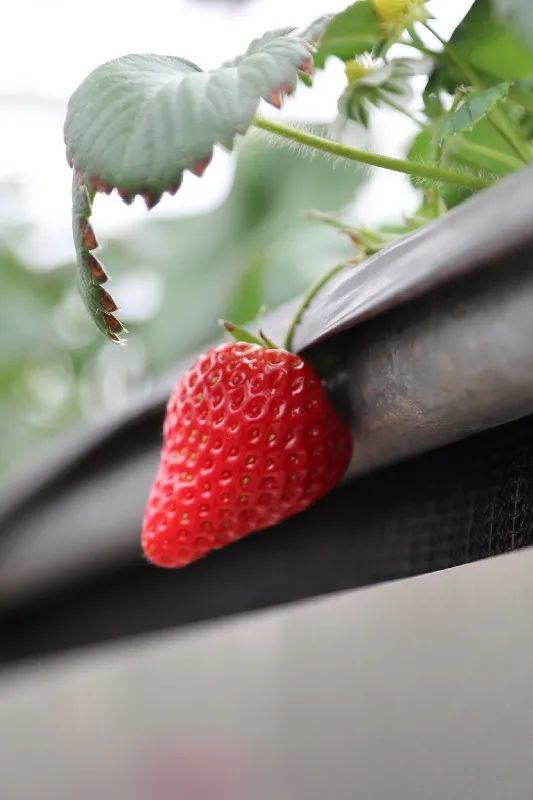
128	197
101	186
96	269
173	188
89	239
106	301
274	97
307	66
150	199
200	166
113	325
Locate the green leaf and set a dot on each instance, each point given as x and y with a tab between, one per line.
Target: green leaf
474	107
491	46
91	274
136	123
482	148
484	137
354	31
520	14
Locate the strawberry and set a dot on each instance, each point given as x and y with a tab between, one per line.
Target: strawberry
250	438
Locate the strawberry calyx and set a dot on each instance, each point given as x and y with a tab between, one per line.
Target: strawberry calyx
243	335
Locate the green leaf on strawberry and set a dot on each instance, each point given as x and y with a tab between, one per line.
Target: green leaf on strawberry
136	123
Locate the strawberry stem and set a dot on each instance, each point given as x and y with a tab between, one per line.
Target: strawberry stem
242	335
415	168
306	302
268	342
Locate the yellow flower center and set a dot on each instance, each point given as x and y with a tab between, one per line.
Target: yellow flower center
355	70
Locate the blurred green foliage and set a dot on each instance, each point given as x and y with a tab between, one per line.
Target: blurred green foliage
173	278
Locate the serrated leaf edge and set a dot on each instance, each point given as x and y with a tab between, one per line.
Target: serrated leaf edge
495	93
91	273
274	96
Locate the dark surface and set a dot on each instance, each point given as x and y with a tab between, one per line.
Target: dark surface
468	501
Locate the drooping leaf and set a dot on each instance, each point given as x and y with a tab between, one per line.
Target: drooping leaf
474	107
91	274
354	31
136	123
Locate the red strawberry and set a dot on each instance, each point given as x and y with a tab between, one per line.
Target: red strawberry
250	438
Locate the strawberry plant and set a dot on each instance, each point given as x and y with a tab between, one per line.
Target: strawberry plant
137	123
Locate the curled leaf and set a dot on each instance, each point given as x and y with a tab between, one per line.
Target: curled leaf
91	274
136	123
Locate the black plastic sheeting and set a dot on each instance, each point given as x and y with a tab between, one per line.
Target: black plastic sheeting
467	501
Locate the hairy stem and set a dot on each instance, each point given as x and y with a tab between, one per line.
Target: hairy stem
308	298
416	169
